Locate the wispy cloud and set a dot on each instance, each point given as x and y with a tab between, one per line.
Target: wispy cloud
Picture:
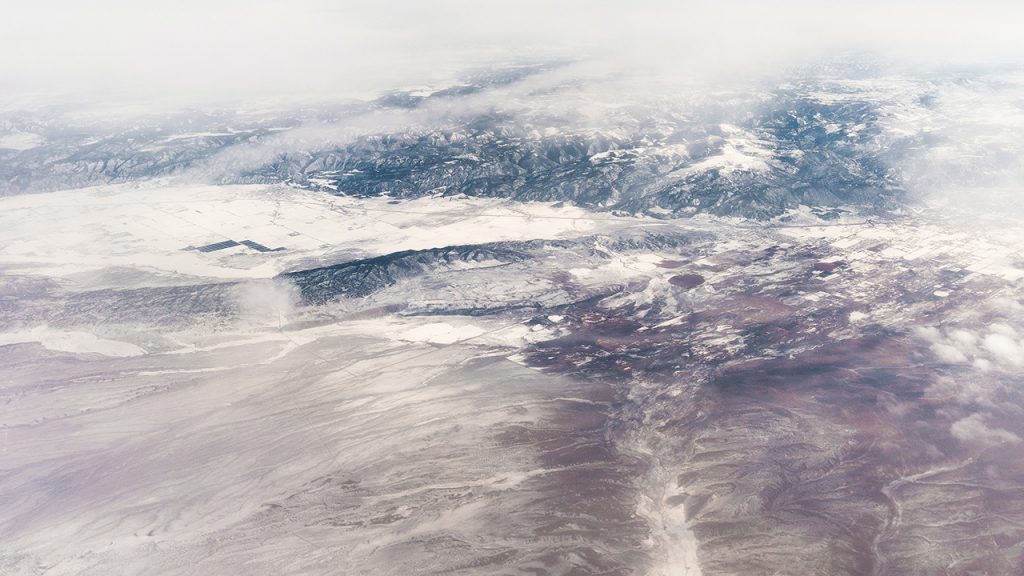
229	50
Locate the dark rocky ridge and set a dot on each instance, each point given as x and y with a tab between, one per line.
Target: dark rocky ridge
800	150
820	155
358	278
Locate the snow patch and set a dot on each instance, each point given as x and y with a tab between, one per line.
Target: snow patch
73	342
21	141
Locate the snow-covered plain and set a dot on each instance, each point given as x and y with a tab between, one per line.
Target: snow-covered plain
460	420
153	228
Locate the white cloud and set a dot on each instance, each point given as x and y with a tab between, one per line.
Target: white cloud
948	353
1004	349
266	301
964	339
191	50
974	430
999	345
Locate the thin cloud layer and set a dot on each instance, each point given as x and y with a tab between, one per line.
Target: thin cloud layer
194	52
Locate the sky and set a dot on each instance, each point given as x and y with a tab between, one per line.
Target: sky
192	51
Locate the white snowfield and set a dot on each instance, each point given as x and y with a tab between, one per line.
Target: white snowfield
20	140
70	341
151	228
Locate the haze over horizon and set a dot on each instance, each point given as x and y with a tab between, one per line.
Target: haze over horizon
193	53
